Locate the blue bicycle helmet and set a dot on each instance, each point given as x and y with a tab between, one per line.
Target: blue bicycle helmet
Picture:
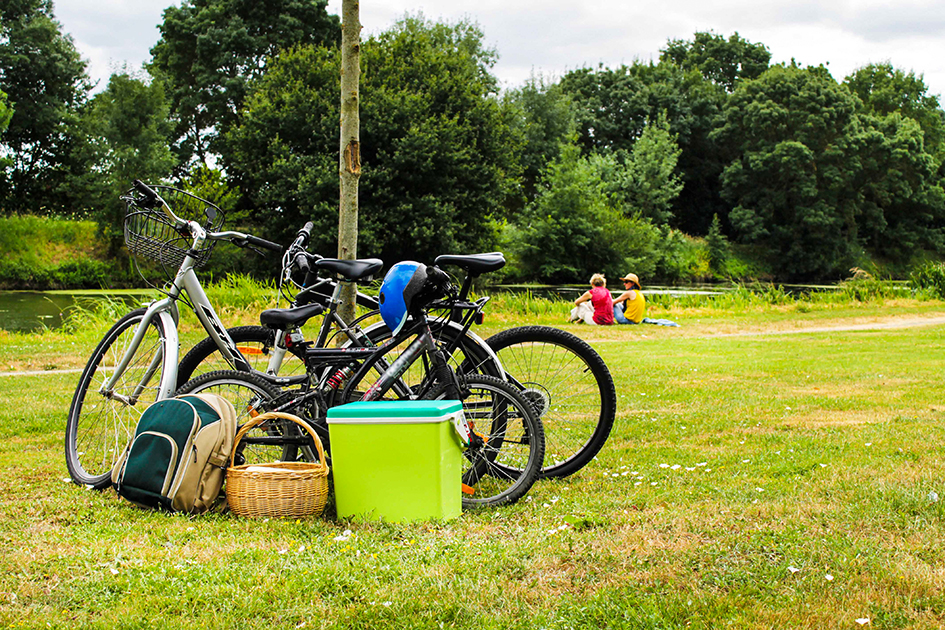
401	284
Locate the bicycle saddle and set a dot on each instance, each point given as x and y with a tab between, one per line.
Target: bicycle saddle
284	318
474	264
351	270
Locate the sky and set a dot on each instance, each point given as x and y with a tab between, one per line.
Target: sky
550	37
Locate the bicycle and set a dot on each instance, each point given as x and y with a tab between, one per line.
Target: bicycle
136	362
563	376
506	444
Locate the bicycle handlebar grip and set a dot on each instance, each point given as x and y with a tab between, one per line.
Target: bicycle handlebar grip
261	242
306	231
301	262
145	190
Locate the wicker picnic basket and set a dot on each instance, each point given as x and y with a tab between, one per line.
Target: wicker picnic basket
278	489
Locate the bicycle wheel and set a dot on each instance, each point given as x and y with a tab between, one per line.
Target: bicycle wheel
471	355
251	395
507	444
569	385
255	343
98	427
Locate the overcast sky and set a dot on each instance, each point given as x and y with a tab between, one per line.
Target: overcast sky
551	37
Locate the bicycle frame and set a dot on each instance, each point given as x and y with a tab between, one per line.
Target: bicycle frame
166	309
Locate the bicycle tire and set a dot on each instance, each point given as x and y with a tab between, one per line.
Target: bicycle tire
502	462
250	395
570	386
98	428
253	342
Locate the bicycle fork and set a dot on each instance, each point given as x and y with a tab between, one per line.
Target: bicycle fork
170	343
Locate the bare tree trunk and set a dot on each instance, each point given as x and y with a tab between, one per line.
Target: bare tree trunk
350	155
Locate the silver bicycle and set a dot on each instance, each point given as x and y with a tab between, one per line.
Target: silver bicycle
135	364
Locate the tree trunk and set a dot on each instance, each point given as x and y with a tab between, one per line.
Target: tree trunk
350	154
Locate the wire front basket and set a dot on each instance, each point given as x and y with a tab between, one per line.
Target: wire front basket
150	234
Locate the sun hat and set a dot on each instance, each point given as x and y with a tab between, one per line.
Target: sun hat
632	277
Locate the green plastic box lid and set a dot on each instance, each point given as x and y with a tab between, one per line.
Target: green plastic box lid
393	410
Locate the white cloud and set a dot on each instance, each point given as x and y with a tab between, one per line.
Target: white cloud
552	37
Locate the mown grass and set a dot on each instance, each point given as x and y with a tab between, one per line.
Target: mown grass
767	480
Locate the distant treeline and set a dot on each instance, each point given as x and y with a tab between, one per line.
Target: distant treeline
708	163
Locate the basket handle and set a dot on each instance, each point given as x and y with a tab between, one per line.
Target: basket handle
263	417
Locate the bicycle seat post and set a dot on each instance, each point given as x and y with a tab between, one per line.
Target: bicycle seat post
333	302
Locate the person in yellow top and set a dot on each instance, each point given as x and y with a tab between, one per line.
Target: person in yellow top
630	306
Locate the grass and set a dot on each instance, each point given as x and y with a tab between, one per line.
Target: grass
761	480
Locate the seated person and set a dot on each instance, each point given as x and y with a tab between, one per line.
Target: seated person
630	306
595	306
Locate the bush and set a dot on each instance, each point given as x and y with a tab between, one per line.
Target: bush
929	277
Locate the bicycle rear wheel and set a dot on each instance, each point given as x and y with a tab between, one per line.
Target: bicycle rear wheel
570	387
507	444
99	426
252	395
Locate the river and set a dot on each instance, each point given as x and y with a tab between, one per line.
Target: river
28	311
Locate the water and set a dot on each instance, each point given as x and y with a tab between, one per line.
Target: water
28	311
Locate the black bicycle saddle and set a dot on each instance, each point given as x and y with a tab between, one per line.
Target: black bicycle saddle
351	270
474	264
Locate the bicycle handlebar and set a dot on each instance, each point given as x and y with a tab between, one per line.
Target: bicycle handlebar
155	199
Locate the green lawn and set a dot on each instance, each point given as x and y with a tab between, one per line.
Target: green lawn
775	480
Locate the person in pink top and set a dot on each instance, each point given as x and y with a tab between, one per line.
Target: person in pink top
595	306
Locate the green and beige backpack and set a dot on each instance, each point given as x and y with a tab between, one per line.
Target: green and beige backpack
178	455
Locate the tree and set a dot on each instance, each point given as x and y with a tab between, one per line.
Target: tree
718	246
902	211
613	108
127	127
793	184
574	229
349	168
45	81
546	117
645	183
211	49
6	111
886	90
438	156
725	62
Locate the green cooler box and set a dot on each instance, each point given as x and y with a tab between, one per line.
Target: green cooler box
397	460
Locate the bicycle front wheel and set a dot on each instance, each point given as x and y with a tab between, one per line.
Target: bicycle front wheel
100	424
507	443
570	387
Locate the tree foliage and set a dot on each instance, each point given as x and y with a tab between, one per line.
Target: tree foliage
6	111
45	81
885	90
573	228
722	61
644	182
791	186
614	107
210	50
438	154
545	117
126	127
